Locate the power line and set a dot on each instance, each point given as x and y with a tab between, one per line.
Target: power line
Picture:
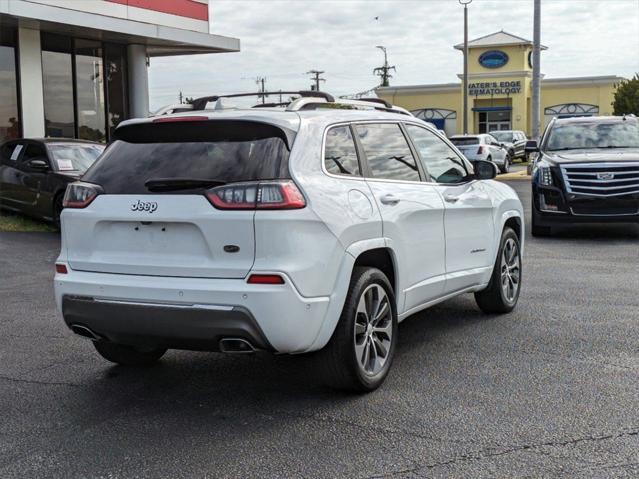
384	71
315	76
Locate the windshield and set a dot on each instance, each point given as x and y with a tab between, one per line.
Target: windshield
74	157
622	134
503	135
468	140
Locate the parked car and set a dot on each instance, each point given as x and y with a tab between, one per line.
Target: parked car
311	228
514	141
586	171
483	147
34	173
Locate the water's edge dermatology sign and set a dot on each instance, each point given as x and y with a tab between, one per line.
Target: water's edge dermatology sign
494	88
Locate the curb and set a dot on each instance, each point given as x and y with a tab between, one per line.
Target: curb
519	176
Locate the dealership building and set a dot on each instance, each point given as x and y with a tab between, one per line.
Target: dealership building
76	68
500	91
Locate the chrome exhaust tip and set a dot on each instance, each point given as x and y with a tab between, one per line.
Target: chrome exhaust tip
236	346
84	332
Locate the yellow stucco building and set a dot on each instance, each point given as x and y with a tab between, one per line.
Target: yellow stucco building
500	90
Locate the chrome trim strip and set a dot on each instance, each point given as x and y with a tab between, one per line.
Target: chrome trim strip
606	215
213	307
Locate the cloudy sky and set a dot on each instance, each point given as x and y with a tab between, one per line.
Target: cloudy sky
281	40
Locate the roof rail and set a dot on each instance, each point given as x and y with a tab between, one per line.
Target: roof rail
200	103
377	100
314	104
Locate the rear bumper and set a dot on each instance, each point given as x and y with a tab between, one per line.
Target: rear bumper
190	313
163	326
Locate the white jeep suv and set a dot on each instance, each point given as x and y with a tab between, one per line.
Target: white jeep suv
317	226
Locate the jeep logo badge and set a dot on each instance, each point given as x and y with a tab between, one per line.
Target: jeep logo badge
605	176
148	206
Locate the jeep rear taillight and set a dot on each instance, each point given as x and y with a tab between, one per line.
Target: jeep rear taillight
80	194
480	150
263	195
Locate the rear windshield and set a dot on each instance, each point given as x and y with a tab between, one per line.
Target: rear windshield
471	140
503	135
74	157
218	150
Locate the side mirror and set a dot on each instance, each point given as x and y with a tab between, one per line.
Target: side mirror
484	170
38	164
531	146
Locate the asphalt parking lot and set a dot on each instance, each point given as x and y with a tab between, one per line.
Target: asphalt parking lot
551	390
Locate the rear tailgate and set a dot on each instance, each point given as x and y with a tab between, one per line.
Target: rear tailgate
134	227
179	235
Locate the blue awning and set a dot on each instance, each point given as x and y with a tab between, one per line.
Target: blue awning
493	108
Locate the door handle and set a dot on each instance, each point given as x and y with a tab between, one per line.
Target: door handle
389	199
451	198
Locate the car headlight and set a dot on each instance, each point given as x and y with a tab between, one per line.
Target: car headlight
545	176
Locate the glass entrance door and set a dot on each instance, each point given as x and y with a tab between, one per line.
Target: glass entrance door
494	120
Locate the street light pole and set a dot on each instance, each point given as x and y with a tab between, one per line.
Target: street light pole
536	79
465	117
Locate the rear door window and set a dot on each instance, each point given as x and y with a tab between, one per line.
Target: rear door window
340	155
225	151
387	152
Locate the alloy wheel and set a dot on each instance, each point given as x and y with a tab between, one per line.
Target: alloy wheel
510	270
373	329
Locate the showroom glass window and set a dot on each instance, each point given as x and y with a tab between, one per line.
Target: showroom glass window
85	87
57	78
9	111
116	81
89	75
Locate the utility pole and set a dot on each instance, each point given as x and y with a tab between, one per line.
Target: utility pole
315	76
384	71
260	82
536	79
181	97
465	117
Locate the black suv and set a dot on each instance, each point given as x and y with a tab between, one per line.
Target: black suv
586	170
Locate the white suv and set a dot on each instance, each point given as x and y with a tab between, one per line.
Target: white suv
290	230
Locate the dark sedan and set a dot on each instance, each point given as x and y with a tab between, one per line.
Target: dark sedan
34	173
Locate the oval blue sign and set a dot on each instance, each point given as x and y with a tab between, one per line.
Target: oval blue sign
493	59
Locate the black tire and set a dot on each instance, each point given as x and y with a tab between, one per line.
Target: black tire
506	166
493	299
57	209
538	231
127	355
338	364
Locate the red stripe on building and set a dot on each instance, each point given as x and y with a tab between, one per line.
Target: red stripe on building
182	8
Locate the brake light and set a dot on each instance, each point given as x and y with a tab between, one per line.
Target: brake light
176	119
265	279
61	268
480	150
266	195
80	195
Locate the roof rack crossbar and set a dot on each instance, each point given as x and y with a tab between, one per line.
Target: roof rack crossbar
200	103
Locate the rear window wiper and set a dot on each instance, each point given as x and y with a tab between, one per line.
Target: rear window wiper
175	184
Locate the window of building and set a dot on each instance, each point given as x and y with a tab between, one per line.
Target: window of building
340	155
440	161
85	87
387	152
57	78
116	85
9	109
89	78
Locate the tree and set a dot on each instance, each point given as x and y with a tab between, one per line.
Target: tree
627	97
